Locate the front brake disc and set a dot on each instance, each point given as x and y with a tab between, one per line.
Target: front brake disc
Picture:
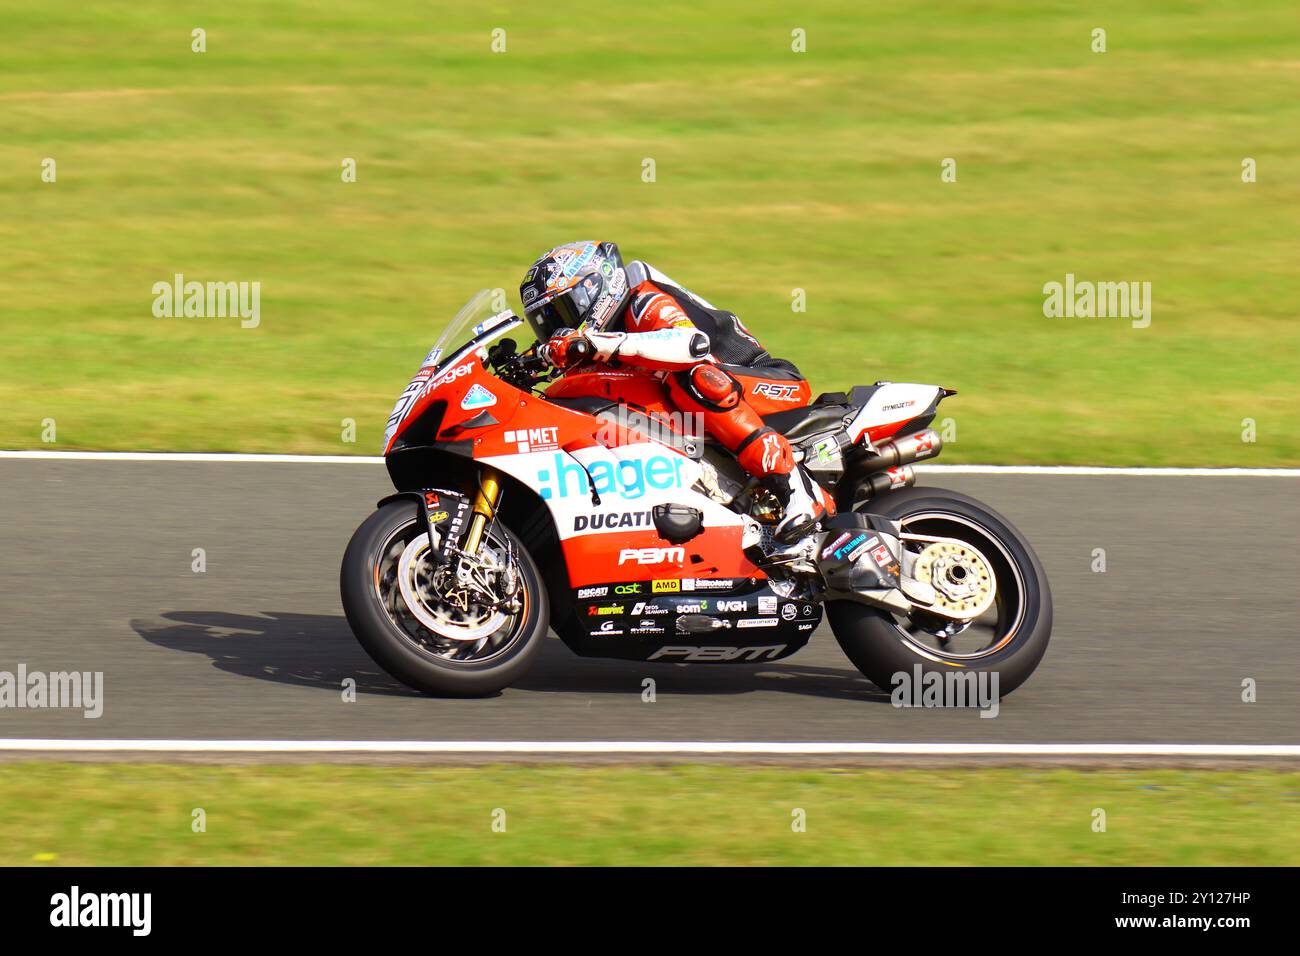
436	615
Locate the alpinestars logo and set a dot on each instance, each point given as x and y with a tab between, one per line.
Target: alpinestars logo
771	451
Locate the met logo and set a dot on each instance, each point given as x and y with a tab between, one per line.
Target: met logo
629	478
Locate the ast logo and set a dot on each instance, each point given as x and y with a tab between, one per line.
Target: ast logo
652	556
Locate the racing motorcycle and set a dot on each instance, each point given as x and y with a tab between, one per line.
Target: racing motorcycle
586	504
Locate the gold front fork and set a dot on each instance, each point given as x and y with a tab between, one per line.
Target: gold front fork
485	506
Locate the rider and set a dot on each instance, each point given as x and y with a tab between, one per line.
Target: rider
634	315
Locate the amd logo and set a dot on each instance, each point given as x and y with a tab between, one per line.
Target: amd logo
716	653
652	556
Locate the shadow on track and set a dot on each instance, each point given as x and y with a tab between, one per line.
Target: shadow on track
318	650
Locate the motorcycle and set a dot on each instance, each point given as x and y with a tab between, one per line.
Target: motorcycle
586	503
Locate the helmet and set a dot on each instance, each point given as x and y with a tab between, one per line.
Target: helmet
575	285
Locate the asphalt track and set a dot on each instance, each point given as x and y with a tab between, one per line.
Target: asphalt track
1199	593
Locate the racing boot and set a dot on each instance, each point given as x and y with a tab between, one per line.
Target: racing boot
804	502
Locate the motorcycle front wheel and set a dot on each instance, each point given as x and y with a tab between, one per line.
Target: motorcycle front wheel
420	628
1008	639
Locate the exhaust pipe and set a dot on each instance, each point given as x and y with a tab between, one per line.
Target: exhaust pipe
891	479
909	448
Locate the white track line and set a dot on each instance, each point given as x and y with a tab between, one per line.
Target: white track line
648	747
1068	470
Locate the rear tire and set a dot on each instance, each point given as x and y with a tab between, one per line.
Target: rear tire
880	648
414	655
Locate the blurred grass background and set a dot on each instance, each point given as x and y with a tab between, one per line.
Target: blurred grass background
775	170
689	815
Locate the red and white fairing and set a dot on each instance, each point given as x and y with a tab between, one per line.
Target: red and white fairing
890	407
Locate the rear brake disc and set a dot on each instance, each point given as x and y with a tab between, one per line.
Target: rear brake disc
963	581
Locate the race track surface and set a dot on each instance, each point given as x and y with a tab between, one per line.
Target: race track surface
1199	594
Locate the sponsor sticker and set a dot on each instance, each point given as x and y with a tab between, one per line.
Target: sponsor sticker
533	439
629	478
836	545
707	584
477	397
758	622
674	555
614	520
642	608
847	551
664	587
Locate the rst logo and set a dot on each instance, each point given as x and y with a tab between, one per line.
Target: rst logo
688	653
652	556
778	393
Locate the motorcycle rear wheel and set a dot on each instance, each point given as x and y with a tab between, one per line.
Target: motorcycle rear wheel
1009	640
396	639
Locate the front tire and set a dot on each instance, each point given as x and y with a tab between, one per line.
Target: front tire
1009	640
399	642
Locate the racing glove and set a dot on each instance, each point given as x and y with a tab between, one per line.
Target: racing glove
566	347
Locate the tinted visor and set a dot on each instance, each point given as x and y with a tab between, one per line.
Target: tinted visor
569	309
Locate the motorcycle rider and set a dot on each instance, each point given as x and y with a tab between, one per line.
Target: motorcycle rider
582	292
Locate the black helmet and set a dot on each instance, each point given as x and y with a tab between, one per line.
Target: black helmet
577	284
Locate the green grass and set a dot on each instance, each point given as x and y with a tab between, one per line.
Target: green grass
775	171
134	814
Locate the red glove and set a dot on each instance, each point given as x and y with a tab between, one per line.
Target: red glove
566	347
